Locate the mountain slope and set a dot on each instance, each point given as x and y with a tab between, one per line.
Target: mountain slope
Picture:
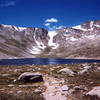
21	42
78	41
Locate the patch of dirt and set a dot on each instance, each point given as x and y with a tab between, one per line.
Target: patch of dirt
53	89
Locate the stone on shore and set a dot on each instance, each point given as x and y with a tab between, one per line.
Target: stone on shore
66	71
94	92
30	77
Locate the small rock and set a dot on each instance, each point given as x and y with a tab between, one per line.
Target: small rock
82	72
98	68
80	88
39	68
2	89
10	92
18	92
33	70
5	75
26	86
87	67
64	88
71	91
30	77
14	80
94	92
16	70
67	71
85	70
38	90
11	85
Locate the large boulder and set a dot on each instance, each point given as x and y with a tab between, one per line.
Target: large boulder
66	71
30	77
85	70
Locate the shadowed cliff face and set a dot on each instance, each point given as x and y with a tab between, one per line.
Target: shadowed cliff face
79	41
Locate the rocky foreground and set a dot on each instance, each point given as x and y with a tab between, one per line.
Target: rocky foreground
50	82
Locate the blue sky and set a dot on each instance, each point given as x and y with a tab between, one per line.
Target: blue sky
48	13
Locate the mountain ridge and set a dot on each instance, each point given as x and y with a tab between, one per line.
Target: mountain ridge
78	41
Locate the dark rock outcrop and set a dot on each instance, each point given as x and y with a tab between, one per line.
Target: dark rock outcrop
28	77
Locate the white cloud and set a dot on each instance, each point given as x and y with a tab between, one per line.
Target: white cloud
7	4
47	24
52	20
50	24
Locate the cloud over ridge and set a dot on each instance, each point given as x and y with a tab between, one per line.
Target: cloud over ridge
50	24
52	20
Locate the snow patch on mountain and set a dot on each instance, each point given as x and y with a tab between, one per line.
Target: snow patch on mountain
21	28
40	45
16	28
73	39
79	28
34	50
51	35
91	36
97	26
7	25
91	24
56	46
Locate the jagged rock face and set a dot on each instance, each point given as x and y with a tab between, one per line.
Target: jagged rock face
21	42
79	41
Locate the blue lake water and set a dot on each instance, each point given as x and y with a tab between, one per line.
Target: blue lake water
45	61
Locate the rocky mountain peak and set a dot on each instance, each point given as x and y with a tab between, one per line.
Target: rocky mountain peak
88	26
